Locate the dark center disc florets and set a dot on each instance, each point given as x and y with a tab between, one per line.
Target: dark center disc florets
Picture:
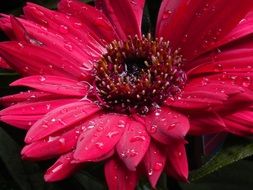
138	73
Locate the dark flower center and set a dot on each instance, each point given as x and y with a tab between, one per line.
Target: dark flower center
137	74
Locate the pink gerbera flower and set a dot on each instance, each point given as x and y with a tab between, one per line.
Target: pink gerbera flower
102	91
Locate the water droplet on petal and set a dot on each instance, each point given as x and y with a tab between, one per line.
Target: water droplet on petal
158	166
121	124
62	141
166	14
57	168
138	138
153	128
63	29
99	145
112	134
133	153
68	46
150	172
78	25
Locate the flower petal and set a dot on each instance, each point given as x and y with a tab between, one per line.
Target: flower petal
101	136
154	162
165	125
73	59
177	161
21	121
91	17
118	176
126	16
243	28
4	64
196	26
240	122
236	60
35	108
206	123
60	118
41	61
28	96
54	84
61	169
52	146
133	144
67	27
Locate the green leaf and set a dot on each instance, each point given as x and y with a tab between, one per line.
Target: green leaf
234	149
233	177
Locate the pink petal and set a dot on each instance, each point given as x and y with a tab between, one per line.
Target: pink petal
133	144
165	125
177	161
35	108
240	122
60	118
101	136
206	123
61	169
125	16
21	121
4	64
197	26
54	84
154	162
41	61
236	60
67	27
243	28
198	99
79	63
52	146
94	19
118	176
28	96
19	30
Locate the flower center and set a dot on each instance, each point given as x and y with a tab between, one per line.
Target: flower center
137	74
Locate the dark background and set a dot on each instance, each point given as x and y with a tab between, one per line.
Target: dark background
16	174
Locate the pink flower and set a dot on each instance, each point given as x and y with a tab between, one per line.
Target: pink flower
102	91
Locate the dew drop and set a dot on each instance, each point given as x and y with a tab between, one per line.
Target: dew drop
62	122
42	78
158	166
112	134
167	14
57	168
91	125
205	81
219	67
150	172
99	145
121	124
246	82
44	126
62	141
48	106
138	138
63	29
153	129
100	128
78	24
68	46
